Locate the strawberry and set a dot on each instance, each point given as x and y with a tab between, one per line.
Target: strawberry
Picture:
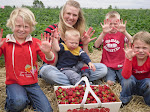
91	110
86	110
112	94
74	110
60	89
96	110
104	110
70	93
69	110
81	110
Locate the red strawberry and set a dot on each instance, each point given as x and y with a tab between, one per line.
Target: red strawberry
60	89
96	110
86	110
112	94
69	110
81	110
91	110
104	110
70	93
74	110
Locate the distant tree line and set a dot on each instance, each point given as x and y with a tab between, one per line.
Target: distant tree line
38	4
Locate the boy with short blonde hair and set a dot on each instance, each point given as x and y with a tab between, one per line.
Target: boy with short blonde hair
70	55
113	37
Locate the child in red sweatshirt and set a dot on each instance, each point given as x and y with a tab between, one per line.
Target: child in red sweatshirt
136	69
20	51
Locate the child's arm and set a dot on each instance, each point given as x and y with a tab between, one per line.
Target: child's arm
91	66
45	46
55	40
106	29
1	40
127	67
122	28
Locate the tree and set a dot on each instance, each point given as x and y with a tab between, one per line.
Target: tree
38	4
110	7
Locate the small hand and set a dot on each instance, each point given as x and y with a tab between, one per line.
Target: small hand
106	27
92	66
122	27
129	53
45	45
86	38
55	34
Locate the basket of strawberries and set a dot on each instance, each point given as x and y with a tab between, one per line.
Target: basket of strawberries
86	98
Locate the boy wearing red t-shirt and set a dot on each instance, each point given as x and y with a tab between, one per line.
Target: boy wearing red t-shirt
113	37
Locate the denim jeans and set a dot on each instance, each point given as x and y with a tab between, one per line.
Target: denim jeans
132	86
18	97
112	74
53	76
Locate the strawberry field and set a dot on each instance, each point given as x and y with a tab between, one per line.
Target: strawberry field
136	20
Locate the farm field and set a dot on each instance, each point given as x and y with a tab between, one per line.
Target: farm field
137	20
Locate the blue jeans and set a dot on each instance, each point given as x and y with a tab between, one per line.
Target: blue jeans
113	74
53	76
132	86
18	97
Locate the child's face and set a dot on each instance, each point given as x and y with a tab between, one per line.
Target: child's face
114	23
72	42
22	29
141	48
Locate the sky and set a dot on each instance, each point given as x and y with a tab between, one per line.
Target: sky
104	4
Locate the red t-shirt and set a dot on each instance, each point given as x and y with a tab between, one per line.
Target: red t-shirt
113	54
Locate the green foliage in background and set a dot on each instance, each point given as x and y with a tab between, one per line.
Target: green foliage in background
137	20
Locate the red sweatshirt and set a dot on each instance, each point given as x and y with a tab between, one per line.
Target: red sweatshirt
132	68
21	60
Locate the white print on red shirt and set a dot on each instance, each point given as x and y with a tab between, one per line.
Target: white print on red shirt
140	72
111	45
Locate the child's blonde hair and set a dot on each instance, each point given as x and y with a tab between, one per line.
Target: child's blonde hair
72	32
143	36
79	25
112	14
25	13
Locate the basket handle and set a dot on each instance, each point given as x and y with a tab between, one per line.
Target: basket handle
87	90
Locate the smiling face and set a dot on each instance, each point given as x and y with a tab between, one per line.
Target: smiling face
71	15
21	30
141	48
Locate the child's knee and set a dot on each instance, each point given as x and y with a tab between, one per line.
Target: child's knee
128	82
16	104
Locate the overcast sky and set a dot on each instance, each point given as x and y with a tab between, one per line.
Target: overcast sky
122	4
